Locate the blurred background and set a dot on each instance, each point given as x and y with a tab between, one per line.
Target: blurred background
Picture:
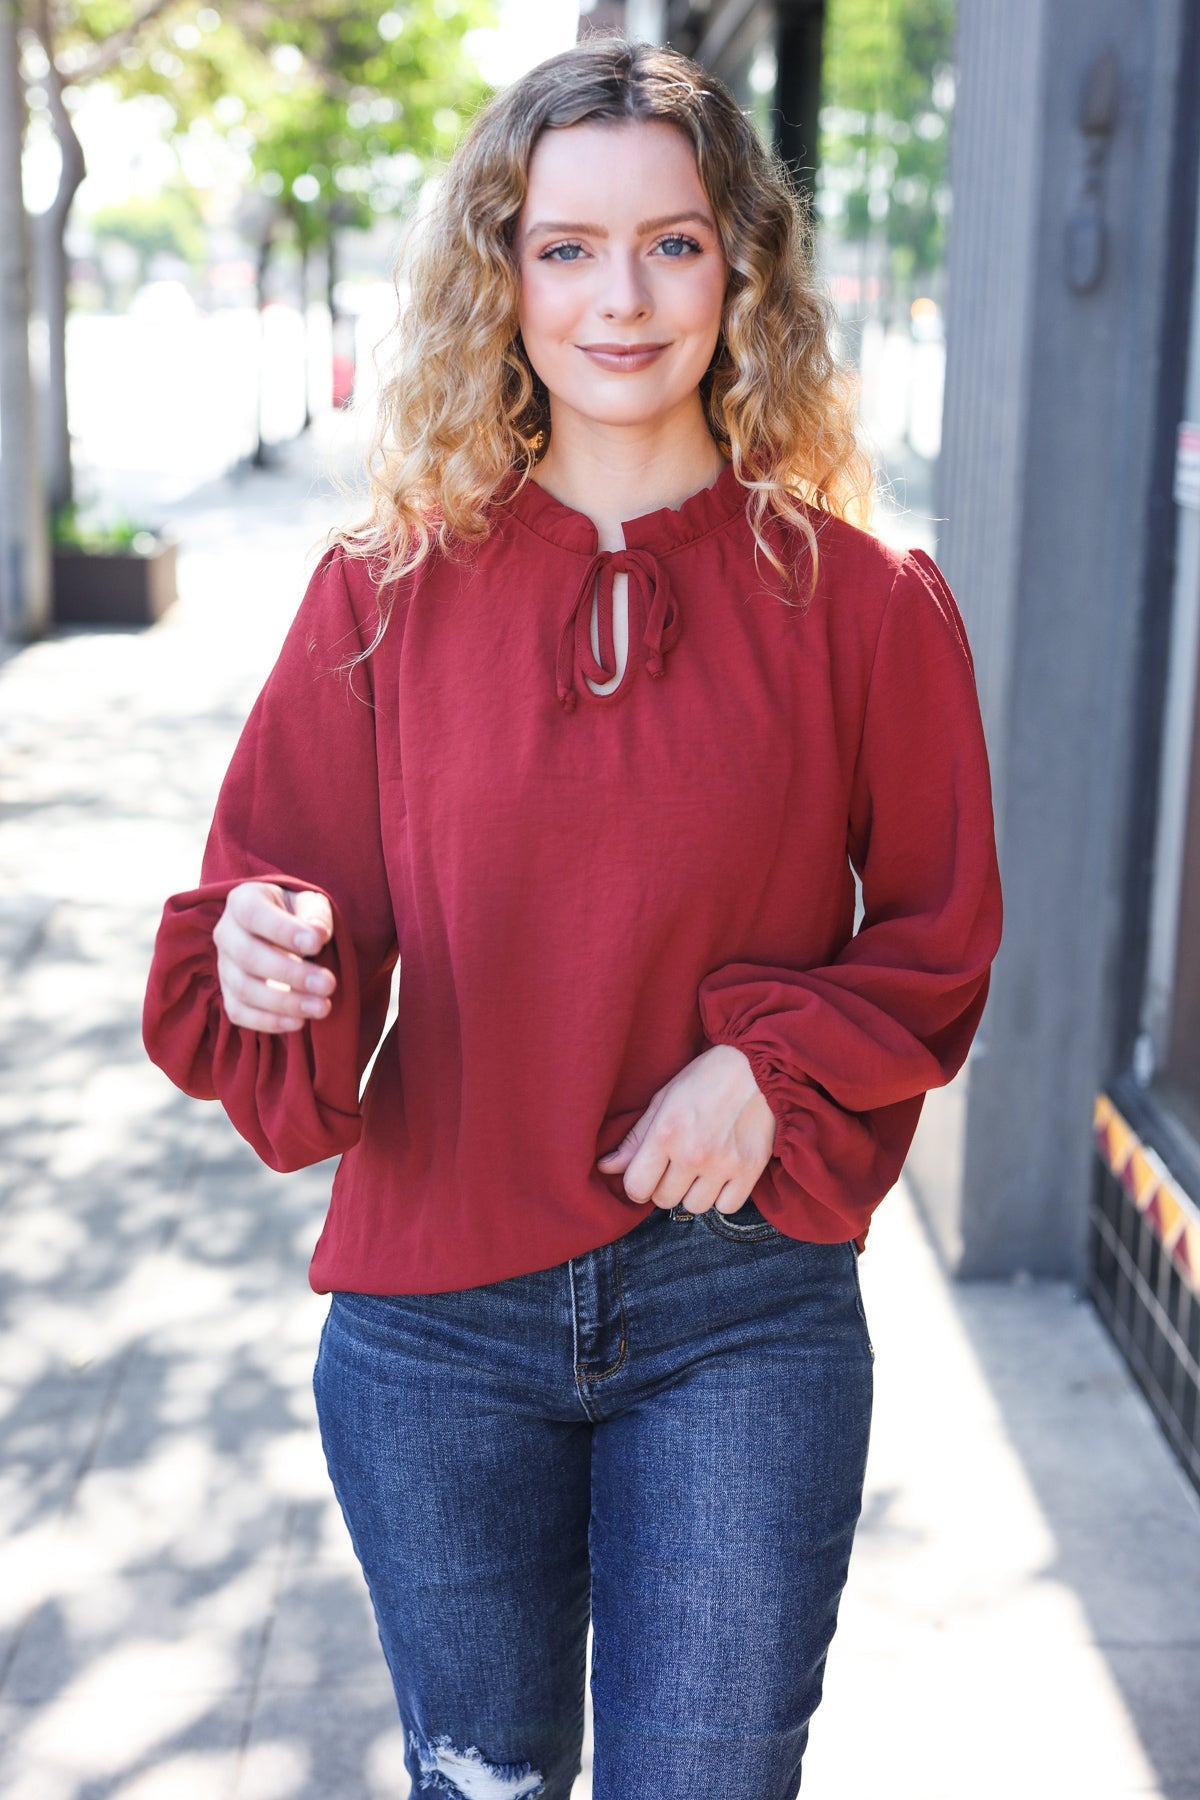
200	207
215	198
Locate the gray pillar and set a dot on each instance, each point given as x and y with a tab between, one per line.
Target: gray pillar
1048	446
24	571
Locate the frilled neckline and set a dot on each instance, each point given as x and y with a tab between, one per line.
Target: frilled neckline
655	618
666	529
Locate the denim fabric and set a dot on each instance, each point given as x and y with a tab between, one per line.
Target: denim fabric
669	1432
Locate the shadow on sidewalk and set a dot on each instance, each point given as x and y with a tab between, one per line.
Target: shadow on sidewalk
1022	1613
180	1613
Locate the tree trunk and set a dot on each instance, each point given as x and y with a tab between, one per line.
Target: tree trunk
305	255
51	248
261	458
51	283
341	325
24	551
332	273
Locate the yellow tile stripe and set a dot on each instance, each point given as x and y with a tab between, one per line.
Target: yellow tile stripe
1171	1213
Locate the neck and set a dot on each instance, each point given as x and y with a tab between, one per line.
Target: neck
614	474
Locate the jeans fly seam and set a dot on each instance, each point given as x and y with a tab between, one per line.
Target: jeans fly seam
580	1383
615	1367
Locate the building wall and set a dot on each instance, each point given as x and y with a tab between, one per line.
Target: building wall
1050	440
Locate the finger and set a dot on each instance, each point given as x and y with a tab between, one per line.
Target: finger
249	1018
700	1197
250	994
259	908
286	984
731	1199
253	956
621	1158
678	1182
617	1160
314	913
645	1172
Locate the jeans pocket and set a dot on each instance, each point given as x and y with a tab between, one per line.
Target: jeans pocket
745	1226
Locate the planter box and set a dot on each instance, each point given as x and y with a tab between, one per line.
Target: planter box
115	587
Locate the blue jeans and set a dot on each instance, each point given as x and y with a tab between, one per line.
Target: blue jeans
669	1434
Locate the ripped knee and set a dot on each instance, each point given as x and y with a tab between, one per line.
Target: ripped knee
465	1774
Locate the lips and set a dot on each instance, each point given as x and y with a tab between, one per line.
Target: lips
622	357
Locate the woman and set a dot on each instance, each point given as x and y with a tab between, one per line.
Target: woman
588	724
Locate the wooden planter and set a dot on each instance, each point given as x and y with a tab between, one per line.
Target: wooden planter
113	587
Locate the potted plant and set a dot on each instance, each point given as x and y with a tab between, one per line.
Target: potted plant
114	573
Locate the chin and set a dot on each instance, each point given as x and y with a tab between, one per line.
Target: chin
644	409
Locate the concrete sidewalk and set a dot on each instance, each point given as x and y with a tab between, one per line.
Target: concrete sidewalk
180	1614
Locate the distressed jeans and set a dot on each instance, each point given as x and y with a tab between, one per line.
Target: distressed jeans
668	1435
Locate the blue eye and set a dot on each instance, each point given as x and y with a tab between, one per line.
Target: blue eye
562	253
677	247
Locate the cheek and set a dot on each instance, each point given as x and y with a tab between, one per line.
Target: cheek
708	302
545	309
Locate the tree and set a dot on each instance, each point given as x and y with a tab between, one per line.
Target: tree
66	48
166	223
24	577
322	97
364	98
887	95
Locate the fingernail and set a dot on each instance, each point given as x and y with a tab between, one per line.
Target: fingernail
315	1009
305	942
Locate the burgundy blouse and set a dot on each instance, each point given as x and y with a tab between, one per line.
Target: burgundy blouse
586	891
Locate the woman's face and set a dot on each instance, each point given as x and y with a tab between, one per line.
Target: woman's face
622	276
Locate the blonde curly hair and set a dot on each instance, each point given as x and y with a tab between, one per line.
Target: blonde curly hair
463	418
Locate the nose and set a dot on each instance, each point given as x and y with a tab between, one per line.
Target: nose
625	294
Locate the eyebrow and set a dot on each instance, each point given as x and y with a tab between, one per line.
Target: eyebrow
643	225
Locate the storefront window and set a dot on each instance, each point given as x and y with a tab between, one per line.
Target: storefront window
1181	1074
1167	1052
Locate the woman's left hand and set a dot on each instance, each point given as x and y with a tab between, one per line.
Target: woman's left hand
704	1139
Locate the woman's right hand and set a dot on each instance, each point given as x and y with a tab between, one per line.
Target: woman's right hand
263	937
